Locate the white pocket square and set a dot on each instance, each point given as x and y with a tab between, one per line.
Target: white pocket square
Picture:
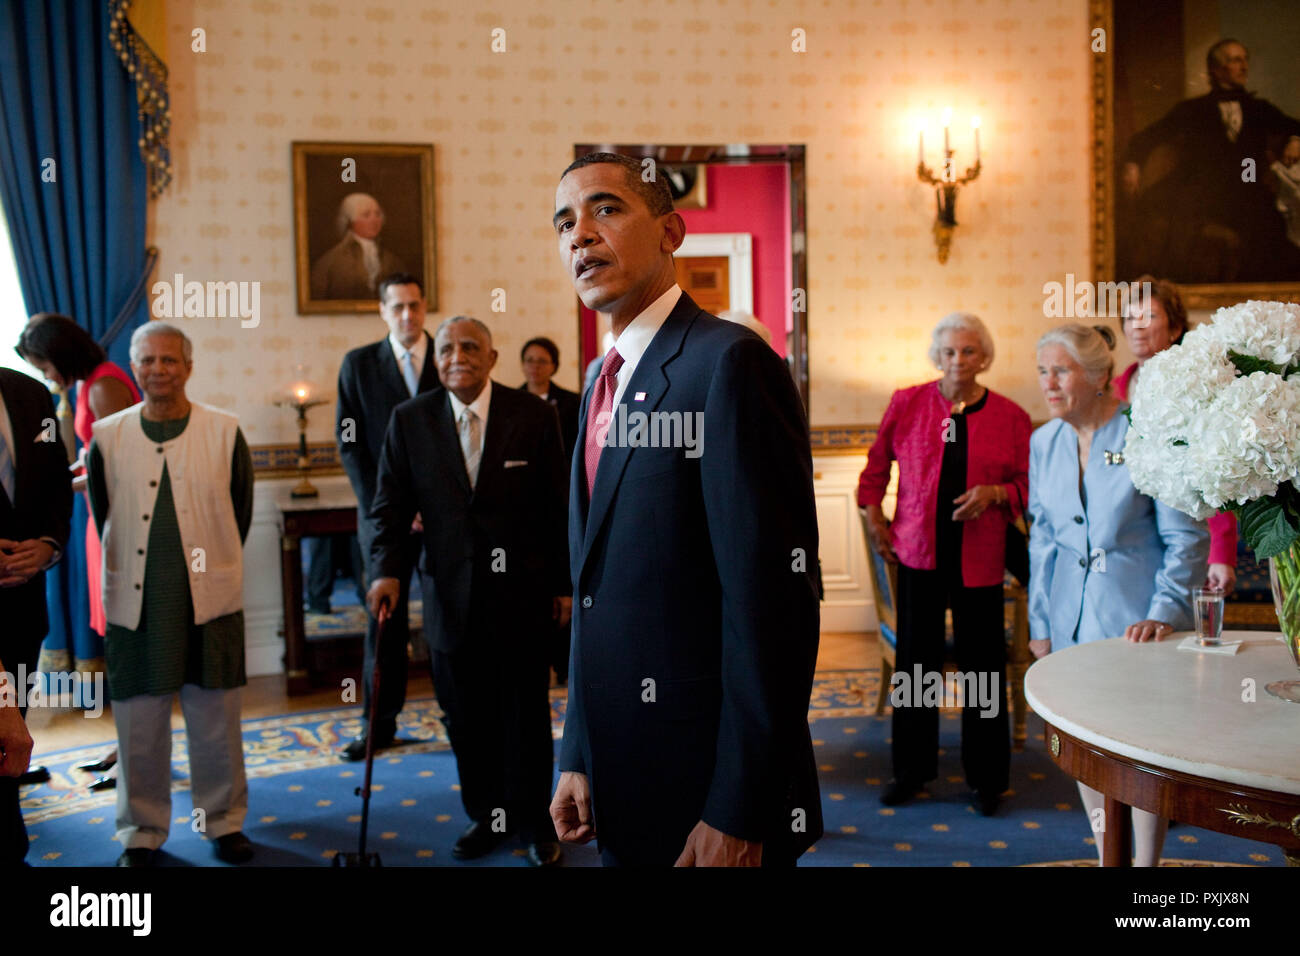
515	464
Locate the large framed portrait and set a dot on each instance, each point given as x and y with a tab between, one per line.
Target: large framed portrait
361	211
1196	135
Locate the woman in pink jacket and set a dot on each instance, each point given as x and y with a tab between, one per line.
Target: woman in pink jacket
963	474
1151	327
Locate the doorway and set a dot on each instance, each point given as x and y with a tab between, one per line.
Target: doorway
745	248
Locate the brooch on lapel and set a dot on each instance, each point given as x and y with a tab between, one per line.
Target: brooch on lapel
1114	457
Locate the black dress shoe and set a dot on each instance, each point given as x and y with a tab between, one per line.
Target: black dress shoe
107	782
37	774
986	802
233	848
898	792
479	839
356	747
136	856
544	853
101	765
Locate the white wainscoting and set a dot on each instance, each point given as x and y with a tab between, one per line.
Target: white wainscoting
849	604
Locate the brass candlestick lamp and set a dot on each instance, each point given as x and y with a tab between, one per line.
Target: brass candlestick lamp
301	400
946	184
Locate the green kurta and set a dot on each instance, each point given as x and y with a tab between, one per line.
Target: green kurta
168	649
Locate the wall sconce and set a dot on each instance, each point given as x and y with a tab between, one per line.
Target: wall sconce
947	184
300	399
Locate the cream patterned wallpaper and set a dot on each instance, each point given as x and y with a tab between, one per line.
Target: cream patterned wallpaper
674	71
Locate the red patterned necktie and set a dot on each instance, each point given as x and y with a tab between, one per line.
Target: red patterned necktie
598	413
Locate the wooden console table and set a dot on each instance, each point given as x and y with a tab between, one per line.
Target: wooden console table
1168	731
334	511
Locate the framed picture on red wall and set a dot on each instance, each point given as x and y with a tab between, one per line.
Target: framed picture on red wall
688	185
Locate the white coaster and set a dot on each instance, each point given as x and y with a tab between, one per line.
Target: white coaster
1193	644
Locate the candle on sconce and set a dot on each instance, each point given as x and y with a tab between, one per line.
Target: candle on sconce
945	179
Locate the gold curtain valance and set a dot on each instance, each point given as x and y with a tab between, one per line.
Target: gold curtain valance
127	35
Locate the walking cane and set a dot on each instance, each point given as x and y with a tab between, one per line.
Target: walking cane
361	857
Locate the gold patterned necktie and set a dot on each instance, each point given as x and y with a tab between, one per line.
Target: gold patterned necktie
471	443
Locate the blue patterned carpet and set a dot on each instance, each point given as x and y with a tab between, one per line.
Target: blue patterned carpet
303	810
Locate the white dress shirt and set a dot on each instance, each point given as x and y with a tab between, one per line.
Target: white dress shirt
417	353
369	257
479	405
635	339
1230	113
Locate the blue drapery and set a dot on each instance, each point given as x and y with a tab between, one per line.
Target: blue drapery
78	225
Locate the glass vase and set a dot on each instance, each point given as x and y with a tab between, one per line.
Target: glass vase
1284	577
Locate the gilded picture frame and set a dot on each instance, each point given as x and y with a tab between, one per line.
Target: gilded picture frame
361	211
1124	72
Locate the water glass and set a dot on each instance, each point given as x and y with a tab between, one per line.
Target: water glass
1207	605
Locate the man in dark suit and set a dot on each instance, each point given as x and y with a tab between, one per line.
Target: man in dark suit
485	465
374	380
35	517
1206	220
694	560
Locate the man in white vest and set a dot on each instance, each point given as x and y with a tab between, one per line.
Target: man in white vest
171	488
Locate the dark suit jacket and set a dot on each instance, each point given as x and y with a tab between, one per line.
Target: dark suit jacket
699	575
495	557
566	406
42	507
370	387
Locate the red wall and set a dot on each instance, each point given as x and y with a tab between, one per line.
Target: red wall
753	199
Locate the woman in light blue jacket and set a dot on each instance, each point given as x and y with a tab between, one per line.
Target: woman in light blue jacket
1105	560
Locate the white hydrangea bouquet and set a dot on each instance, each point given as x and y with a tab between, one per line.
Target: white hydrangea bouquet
1215	425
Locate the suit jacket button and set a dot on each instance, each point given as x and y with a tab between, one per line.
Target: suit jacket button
139	550
1078	519
153	484
145	518
1083	562
160	449
137	587
586	601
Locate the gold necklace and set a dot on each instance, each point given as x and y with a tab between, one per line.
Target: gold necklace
959	406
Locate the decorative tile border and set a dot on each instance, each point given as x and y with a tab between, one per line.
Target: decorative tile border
843	439
281	461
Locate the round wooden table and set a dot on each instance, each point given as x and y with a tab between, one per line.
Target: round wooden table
1189	736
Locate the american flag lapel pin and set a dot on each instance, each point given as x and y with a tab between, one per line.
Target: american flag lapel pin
639	397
